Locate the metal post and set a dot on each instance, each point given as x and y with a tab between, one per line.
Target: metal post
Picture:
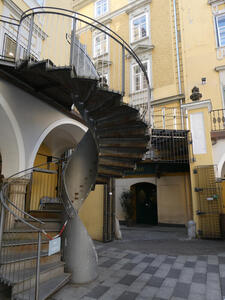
17	58
30	36
37	282
73	37
123	70
2	224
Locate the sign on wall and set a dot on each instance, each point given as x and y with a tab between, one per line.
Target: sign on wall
198	133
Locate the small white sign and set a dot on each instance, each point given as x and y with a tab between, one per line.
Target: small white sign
54	246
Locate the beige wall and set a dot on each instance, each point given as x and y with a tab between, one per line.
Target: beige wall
200	50
173	197
91	213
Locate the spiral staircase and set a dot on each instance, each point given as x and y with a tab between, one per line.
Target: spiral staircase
116	139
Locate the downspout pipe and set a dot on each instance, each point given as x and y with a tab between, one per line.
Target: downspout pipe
177	46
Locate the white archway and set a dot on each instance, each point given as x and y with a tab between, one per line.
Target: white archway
79	130
12	145
220	166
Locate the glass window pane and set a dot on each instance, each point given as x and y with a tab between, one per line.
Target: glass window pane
139	28
10	47
221	21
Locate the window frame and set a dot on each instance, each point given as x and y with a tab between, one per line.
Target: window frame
7	36
102	13
217	17
146	14
94	44
133	78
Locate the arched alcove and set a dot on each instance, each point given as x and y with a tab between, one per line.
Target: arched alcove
145	202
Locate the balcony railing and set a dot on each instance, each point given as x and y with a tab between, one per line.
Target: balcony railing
217	119
170	118
170	146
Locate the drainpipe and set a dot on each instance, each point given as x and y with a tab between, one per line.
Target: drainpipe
177	46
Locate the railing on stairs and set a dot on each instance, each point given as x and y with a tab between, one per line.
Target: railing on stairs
16	264
64	36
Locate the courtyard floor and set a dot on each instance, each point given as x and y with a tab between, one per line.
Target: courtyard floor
155	263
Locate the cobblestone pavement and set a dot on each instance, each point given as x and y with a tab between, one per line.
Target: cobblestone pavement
128	274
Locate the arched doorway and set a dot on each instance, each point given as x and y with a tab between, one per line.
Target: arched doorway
145	195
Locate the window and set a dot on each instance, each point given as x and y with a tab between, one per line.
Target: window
9	48
104	78
100	44
139	82
139	28
101	7
220	27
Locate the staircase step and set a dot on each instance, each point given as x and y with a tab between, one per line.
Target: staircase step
134	130
26	234
46	289
26	260
46	214
115	162
102	170
124	142
54	224
45	274
103	106
25	278
23	246
51	206
116	111
124	119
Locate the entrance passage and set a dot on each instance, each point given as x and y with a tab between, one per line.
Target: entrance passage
146	203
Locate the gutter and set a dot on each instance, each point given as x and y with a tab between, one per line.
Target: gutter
177	46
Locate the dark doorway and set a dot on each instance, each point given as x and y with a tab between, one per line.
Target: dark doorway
146	203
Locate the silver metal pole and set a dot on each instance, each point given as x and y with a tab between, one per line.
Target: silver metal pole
2	224
123	70
177	46
30	36
73	38
37	283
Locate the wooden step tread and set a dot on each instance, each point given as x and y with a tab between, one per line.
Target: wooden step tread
46	289
21	230
19	276
12	243
13	258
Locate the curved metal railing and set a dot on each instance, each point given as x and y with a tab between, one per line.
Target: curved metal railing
12	205
44	32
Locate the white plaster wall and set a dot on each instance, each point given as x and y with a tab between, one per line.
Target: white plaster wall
29	121
219	157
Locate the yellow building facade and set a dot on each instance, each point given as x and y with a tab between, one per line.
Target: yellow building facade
181	47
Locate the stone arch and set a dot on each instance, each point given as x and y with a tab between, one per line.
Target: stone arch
12	144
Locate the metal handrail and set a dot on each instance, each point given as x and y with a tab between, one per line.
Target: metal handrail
5	203
118	39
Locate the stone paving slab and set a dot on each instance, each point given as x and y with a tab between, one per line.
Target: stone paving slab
129	275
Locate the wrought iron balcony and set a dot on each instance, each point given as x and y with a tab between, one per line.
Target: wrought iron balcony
169	146
217	120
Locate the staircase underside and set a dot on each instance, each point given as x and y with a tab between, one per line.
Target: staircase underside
119	132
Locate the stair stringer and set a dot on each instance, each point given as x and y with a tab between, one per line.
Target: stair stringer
79	177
